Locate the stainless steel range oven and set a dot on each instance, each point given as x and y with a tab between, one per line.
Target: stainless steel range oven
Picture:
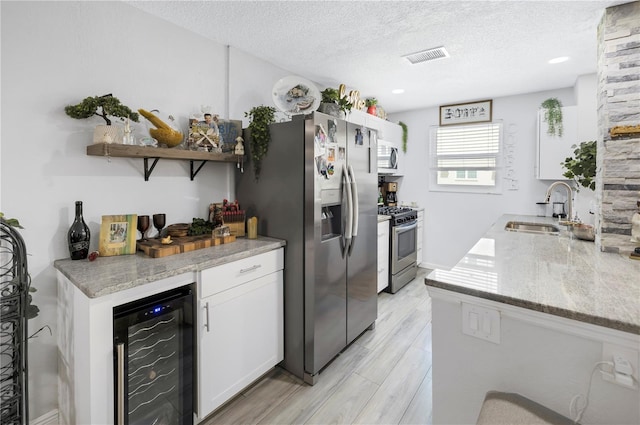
403	246
153	359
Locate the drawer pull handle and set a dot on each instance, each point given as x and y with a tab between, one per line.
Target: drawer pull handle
250	269
206	324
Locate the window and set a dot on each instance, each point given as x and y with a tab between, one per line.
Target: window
466	158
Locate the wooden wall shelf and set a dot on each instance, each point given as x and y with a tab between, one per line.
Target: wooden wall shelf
146	153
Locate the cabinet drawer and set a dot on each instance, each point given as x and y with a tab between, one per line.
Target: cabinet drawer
226	276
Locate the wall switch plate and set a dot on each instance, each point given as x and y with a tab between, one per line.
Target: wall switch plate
626	359
481	322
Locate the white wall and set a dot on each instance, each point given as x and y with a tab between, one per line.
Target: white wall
57	53
586	91
455	221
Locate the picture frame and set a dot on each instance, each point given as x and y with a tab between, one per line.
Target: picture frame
118	235
466	113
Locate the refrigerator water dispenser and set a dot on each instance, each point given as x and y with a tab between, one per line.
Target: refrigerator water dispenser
331	223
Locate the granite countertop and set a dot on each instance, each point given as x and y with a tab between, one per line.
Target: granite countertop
108	275
559	275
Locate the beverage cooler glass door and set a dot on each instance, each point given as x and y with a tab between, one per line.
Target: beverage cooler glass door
153	359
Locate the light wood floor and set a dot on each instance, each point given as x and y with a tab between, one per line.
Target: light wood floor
384	377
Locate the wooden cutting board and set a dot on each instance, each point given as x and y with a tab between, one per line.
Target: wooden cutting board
155	249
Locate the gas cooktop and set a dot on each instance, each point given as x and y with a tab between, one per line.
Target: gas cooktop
399	215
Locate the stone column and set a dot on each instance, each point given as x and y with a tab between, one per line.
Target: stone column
618	177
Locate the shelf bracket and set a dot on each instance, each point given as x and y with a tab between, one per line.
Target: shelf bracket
147	170
193	173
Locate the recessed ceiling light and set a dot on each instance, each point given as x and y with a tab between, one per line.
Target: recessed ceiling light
559	60
397	91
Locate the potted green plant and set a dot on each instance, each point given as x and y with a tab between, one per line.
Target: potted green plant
332	104
260	117
103	106
553	116
371	103
582	166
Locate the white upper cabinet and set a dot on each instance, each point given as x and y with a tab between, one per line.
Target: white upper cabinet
552	150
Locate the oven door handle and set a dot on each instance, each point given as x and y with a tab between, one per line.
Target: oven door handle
404	227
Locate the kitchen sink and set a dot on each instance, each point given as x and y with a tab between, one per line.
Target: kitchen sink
522	226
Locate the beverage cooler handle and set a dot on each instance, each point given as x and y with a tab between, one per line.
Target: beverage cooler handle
120	384
349	226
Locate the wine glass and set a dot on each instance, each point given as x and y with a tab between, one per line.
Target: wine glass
143	225
159	221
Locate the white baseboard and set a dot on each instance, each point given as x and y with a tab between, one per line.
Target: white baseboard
50	418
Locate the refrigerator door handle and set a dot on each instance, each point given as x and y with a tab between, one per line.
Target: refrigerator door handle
349	227
355	207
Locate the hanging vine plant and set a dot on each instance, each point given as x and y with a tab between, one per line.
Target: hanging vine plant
582	166
260	117
405	133
553	116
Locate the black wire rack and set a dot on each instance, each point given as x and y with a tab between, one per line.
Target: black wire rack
14	292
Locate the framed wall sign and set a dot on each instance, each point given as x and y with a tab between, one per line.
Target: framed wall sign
118	235
466	113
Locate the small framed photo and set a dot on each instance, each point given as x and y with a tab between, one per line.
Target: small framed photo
466	113
118	235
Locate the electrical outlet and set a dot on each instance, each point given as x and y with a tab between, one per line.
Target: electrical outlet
481	322
625	367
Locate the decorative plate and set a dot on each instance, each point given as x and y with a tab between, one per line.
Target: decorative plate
295	95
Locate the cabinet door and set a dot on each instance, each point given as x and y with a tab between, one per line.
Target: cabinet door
420	236
241	338
383	255
552	150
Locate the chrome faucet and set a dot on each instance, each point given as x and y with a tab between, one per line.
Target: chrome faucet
569	196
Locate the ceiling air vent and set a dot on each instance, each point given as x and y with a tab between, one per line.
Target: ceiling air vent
428	55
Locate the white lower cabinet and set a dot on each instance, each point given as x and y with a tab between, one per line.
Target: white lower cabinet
383	255
240	326
419	241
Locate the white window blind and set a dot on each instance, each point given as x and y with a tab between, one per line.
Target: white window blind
467	155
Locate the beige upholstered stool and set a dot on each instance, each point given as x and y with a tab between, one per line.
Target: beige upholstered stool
513	409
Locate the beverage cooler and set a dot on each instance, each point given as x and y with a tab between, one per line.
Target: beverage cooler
154	359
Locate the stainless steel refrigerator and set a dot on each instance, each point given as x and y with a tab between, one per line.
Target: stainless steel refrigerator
317	189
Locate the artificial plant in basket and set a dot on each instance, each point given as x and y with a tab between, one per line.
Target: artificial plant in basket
105	107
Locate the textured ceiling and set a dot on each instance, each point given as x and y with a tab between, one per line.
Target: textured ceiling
497	48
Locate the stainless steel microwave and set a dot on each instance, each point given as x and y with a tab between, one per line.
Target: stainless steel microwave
387	157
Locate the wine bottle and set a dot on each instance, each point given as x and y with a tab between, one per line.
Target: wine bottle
79	236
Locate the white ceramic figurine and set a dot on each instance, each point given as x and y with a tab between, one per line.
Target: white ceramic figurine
239	146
